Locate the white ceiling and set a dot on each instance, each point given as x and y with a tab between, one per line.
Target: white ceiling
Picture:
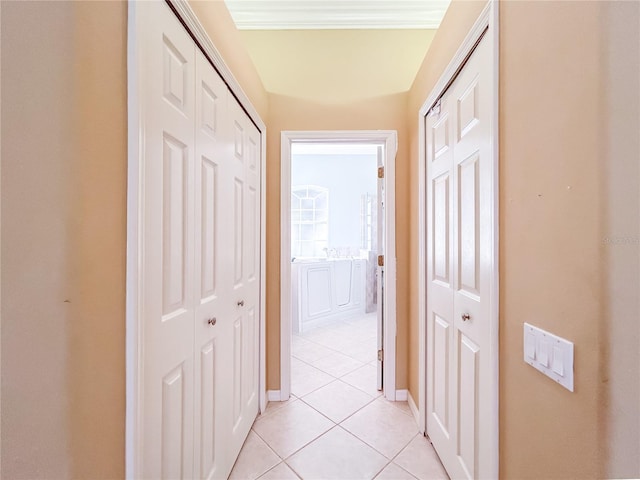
336	14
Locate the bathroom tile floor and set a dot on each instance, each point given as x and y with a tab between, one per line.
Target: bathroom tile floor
337	425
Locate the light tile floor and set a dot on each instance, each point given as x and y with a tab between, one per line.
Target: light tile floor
337	425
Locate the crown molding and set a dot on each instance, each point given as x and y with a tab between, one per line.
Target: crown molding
336	14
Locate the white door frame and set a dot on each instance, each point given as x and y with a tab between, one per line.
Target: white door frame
487	19
135	213
389	139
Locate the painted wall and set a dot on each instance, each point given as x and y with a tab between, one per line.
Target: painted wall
63	239
64	185
347	177
620	246
380	113
568	180
337	66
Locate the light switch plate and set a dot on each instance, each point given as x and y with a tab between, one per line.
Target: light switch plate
549	354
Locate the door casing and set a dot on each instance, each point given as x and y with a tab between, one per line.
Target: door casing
389	140
135	189
488	18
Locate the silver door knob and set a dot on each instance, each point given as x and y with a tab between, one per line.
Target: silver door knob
465	317
212	321
241	303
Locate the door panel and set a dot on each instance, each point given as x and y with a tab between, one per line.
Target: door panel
213	270
209	198
467	404
172	424
167	233
468	227
238	230
459	245
440	137
208	409
441	237
468	115
246	291
174	223
441	371
237	371
250	356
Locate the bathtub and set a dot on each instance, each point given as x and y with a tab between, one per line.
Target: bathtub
326	290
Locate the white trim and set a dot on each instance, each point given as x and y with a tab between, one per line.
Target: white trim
262	389
134	391
414	409
488	18
494	21
274	396
402	395
285	267
135	190
389	139
336	14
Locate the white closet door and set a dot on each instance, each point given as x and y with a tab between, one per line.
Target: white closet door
460	416
200	258
213	270
167	55
245	254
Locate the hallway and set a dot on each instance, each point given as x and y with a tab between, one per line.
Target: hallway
336	424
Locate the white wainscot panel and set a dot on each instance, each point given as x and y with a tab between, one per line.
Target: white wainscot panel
326	290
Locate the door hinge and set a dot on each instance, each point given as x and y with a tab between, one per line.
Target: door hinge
381	260
380	355
380	172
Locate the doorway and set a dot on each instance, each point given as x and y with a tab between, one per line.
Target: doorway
337	269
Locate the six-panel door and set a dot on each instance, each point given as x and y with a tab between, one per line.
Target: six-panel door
459	246
200	259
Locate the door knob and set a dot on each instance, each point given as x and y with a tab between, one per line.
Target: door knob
241	303
212	321
465	317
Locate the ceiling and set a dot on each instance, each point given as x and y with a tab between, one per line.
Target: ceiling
336	14
337	66
337	51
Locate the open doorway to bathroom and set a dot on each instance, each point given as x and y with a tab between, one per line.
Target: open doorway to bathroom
337	247
334	268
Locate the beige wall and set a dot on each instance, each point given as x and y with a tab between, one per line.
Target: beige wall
620	247
381	113
568	179
64	184
63	239
550	233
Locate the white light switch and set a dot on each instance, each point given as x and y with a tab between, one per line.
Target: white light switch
530	345
549	354
558	360
543	351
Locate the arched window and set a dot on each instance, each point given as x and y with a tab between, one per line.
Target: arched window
309	221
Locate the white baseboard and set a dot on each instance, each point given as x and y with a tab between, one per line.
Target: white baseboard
401	395
273	395
414	410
